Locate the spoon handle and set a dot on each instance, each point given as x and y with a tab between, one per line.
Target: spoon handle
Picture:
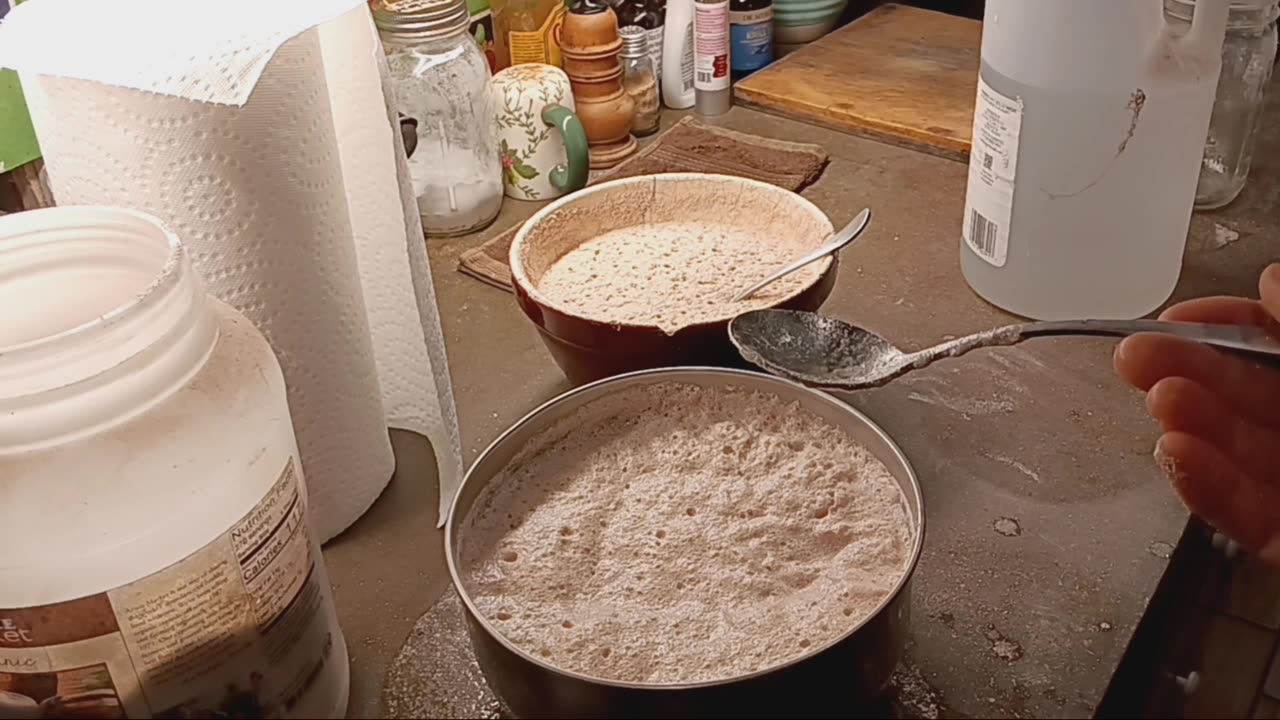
839	240
1240	338
1007	335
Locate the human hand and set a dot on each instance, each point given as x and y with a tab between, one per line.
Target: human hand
1220	415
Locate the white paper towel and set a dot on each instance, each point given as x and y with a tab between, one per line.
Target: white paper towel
291	193
404	320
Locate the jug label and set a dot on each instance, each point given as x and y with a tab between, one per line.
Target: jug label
997	123
240	628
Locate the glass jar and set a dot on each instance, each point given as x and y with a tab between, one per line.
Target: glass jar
153	505
1248	56
640	80
439	79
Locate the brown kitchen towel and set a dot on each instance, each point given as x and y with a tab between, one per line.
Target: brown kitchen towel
689	146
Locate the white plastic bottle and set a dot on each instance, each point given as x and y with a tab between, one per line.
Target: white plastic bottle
677	55
1088	133
157	559
711	81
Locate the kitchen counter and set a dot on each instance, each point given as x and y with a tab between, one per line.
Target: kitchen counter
1048	524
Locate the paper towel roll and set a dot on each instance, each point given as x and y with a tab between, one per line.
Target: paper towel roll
308	236
408	342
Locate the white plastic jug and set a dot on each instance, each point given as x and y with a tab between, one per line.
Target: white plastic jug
1088	132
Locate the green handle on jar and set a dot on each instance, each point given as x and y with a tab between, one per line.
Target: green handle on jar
572	175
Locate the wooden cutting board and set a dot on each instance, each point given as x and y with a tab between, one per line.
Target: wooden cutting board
897	74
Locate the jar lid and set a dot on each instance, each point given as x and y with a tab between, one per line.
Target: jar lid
635	42
420	19
1183	9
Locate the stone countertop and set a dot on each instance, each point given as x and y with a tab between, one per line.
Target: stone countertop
1048	523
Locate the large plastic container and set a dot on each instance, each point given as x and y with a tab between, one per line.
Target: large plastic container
157	559
1088	133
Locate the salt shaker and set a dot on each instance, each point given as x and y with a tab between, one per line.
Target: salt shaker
440	79
640	80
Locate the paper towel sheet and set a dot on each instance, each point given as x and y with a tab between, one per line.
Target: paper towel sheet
210	51
295	207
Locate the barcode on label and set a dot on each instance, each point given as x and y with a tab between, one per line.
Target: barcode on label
982	233
987	160
704	76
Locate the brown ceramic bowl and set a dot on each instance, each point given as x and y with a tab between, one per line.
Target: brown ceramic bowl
590	349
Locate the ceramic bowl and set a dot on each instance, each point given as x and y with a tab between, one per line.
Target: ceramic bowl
832	680
796	22
794	12
590	349
795	36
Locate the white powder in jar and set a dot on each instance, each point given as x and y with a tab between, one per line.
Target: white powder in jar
454	194
675	274
672	533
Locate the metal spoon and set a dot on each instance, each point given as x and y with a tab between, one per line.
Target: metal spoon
825	352
847	234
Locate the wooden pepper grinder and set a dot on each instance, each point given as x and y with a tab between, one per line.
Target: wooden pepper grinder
590	44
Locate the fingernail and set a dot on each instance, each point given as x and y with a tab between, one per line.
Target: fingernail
1166	463
1121	347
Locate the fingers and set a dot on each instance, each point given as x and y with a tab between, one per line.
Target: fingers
1249	389
1218	491
1233	310
1218	311
1181	405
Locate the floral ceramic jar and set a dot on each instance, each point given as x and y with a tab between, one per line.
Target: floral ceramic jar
541	143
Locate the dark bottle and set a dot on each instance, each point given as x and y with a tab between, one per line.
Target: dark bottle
635	12
659	10
750	36
587	7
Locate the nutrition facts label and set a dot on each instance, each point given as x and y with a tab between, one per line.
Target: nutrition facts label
240	626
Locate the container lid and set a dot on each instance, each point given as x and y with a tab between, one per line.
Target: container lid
1183	9
635	41
420	19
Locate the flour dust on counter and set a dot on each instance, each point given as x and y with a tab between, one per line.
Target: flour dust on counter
435	674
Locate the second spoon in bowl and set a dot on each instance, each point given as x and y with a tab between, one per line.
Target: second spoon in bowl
847	234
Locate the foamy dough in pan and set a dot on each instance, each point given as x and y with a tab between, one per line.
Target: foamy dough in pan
675	533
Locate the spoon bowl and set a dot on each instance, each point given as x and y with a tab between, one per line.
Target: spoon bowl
814	349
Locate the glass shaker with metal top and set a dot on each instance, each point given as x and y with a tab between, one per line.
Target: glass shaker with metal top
640	80
440	78
1248	56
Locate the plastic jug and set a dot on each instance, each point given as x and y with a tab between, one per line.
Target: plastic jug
158	558
1088	132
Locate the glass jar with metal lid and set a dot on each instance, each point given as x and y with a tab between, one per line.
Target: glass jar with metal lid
1248	56
640	79
440	79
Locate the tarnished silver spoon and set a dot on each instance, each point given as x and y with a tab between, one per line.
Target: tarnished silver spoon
825	352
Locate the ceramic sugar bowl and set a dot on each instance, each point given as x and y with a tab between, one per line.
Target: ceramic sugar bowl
540	140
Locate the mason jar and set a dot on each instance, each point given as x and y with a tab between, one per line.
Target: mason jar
1248	56
439	80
